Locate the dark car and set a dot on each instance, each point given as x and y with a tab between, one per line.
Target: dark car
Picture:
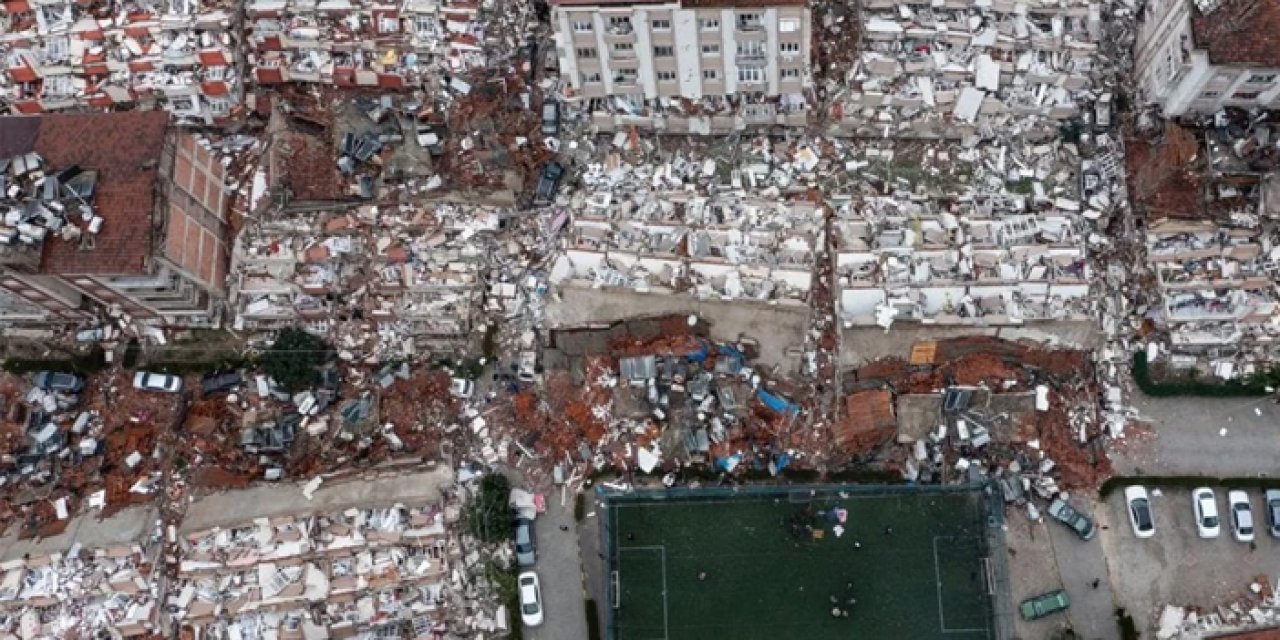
1272	499
1043	605
1080	523
525	545
550	118
58	381
220	382
548	184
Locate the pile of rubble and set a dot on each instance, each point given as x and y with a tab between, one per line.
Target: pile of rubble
380	571
78	593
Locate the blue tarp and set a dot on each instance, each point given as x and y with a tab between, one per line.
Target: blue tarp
777	403
733	356
704	349
729	463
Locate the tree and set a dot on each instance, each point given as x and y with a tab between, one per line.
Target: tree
489	516
294	359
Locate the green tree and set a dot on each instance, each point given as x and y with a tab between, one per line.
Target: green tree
294	359
489	516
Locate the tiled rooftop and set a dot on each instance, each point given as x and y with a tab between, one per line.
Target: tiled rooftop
125	149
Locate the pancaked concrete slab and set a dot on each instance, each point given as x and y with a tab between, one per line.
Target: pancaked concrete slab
127	526
779	329
860	345
284	499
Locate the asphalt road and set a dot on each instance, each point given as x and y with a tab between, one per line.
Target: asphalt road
1080	563
560	571
1188	437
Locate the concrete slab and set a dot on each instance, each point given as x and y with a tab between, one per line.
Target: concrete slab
235	507
127	526
778	328
860	345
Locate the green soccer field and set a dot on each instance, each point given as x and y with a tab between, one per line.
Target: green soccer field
748	568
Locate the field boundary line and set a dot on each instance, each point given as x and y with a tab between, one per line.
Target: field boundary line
937	572
662	549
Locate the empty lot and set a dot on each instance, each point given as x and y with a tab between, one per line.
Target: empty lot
1176	566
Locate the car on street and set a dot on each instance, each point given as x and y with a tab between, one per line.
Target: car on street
550	118
1061	511
530	598
526	552
59	381
548	183
1138	504
1044	604
162	382
1241	515
1272	498
1205	506
216	383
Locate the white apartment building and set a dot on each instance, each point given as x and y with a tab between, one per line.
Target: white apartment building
1194	57
734	63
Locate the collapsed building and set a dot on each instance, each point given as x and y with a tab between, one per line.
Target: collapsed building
80	592
181	56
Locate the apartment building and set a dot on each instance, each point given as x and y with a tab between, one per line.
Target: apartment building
1194	57
691	66
112	212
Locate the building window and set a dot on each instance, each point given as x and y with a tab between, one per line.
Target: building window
1210	94
590	78
748	21
750	74
1261	78
790	73
789	47
666	76
663	51
709	24
710	74
788	25
620	24
661	25
750	48
585	52
625	76
582	26
710	49
1224	76
624	49
1246	95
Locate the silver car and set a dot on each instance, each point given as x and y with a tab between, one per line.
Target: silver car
162	382
526	553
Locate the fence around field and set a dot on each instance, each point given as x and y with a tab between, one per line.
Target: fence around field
1000	614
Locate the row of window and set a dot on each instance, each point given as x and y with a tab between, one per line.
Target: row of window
748	48
744	21
745	74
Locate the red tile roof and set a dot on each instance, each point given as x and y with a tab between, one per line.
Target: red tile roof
125	149
1240	32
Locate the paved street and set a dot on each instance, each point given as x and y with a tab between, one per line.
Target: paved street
561	573
1080	563
1188	429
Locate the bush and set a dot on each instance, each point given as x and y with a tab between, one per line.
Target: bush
86	364
489	514
1191	386
294	359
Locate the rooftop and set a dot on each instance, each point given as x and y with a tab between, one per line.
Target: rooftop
1240	32
124	149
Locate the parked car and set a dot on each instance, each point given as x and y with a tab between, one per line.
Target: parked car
1139	504
215	383
526	552
530	598
1044	605
162	382
1205	505
548	184
59	381
461	388
1241	515
550	118
1272	498
1080	523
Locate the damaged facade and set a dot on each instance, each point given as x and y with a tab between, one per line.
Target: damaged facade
698	66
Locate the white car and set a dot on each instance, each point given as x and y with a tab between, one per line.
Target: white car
1241	515
161	382
530	598
1140	514
1205	505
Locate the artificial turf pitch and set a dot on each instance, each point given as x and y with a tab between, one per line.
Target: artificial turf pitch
922	579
